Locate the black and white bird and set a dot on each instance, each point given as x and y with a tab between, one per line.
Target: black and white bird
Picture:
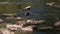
27	9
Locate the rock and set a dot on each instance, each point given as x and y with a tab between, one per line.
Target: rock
18	18
45	28
1	21
6	31
13	26
52	4
1	32
57	23
7	15
39	21
29	21
9	18
29	28
20	22
23	32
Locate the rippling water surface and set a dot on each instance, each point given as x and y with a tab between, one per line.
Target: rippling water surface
38	10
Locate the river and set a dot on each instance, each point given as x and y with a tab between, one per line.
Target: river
38	10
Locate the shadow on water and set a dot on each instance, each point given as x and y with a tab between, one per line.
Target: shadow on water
46	32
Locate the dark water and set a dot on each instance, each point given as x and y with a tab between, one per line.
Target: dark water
39	32
38	11
46	32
